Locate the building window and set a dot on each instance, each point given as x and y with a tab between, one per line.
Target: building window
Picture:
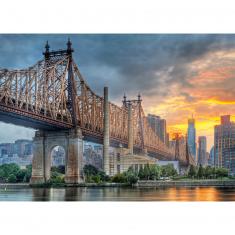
136	167
118	157
118	169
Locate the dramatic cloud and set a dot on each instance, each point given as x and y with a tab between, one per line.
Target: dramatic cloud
177	75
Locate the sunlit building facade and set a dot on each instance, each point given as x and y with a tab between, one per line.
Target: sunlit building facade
192	137
211	161
202	154
224	144
159	126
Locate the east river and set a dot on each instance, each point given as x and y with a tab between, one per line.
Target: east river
118	194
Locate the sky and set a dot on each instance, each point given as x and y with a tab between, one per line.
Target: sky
177	75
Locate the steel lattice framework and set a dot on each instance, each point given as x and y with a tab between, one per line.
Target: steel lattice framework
52	94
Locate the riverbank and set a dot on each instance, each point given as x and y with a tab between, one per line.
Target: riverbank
185	183
14	185
60	185
139	184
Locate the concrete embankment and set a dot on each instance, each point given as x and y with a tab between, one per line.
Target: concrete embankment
193	183
13	186
4	186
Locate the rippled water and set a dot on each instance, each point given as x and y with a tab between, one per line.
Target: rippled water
118	194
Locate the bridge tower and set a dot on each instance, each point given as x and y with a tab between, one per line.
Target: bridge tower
70	139
106	162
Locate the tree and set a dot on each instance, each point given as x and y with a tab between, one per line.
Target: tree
141	173
208	172
192	171
168	170
146	172
92	174
200	173
131	176
20	175
59	169
221	172
154	172
90	170
119	178
6	170
12	178
28	173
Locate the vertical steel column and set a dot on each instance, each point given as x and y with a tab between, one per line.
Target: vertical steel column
130	129
71	86
106	133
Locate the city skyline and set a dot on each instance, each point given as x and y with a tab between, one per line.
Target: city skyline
185	73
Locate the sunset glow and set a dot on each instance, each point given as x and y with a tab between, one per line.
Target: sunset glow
208	95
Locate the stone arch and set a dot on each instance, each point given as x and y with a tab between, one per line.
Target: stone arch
51	141
44	142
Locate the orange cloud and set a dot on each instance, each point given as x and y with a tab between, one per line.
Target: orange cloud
211	94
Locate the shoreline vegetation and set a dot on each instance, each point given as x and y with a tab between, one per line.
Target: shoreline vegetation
149	176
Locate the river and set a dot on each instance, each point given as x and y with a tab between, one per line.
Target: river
118	194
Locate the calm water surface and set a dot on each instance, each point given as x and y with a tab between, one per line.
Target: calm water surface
118	194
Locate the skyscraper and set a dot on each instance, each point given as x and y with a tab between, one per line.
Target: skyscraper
211	160
159	126
192	137
224	144
202	154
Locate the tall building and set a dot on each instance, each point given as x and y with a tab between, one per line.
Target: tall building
159	126
224	144
202	154
211	161
192	137
167	142
58	156
21	146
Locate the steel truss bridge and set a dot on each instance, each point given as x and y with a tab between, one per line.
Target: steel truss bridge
53	95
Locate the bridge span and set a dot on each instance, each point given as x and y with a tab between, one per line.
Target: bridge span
52	97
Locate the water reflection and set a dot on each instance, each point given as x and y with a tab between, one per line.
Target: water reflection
119	194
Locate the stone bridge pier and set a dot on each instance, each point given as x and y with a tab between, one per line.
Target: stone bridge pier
43	144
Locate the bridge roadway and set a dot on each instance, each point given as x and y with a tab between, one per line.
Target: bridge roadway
39	122
52	96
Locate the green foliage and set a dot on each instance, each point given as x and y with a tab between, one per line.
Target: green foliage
149	172
207	172
192	173
168	171
141	172
12	178
131	176
8	169
13	174
59	169
93	175
56	177
221	172
201	172
90	170
119	178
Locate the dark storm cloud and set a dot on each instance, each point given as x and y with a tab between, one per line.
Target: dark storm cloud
128	63
149	64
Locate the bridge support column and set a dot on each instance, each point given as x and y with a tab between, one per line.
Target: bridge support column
38	163
106	159
130	129
43	145
73	173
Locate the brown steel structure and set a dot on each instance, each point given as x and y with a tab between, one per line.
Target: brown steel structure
52	94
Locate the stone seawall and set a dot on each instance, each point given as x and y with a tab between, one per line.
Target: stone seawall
13	186
193	183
